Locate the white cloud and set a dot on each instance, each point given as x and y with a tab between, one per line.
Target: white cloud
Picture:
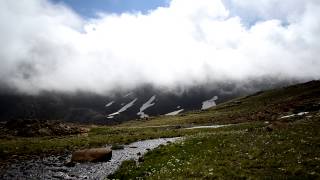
49	47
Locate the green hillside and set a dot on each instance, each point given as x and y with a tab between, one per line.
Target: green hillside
258	143
263	146
261	106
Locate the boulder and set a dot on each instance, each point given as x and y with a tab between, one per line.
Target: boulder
92	155
277	125
45	132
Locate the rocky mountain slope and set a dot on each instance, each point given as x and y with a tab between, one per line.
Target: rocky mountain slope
122	105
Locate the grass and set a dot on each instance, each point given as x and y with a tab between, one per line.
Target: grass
99	136
96	137
265	106
245	150
235	153
262	106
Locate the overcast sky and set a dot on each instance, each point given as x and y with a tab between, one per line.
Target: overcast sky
67	46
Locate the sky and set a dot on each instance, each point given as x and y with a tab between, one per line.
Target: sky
90	8
70	46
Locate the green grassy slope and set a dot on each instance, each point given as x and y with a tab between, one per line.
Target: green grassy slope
262	106
238	147
290	149
233	153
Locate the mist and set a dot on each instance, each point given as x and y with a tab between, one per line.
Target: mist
47	46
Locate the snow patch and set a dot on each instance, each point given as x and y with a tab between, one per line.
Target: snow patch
207	127
174	112
145	106
130	93
124	108
288	116
293	115
302	113
209	103
109	104
142	115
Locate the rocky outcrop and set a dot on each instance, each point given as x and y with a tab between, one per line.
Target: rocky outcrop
277	125
35	127
92	155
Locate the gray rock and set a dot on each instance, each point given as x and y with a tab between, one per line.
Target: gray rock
92	155
45	132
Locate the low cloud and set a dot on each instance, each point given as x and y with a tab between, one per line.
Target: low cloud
47	46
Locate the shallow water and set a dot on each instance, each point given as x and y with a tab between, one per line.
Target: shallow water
53	167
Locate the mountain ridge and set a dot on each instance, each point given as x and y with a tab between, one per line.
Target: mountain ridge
90	108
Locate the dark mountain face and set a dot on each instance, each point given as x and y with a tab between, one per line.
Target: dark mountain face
92	108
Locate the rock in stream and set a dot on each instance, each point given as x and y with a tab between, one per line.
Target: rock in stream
53	167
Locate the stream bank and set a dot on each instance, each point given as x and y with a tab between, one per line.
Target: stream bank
52	167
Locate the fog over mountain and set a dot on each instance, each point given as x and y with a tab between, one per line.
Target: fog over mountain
46	46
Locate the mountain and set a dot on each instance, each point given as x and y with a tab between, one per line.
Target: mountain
123	105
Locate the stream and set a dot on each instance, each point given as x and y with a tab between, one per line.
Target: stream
52	167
